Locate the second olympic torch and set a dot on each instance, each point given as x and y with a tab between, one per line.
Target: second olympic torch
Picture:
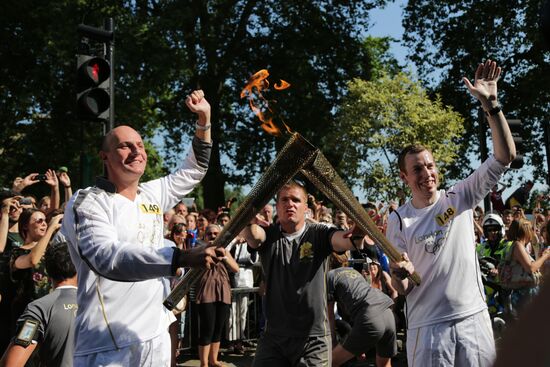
298	155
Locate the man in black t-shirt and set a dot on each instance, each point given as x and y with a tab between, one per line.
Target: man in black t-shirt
47	324
294	255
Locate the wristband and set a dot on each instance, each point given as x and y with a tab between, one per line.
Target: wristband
493	111
203	127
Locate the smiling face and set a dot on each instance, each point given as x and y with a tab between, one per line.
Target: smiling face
36	229
421	176
124	156
291	208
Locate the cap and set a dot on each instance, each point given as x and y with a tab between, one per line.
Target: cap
63	169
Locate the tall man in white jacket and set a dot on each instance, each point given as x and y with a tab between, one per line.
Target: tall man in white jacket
115	235
447	315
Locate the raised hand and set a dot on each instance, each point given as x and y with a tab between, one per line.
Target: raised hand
51	178
199	105
484	87
64	179
8	205
20	183
55	222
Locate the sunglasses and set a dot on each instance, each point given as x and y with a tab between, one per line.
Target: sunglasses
178	228
40	221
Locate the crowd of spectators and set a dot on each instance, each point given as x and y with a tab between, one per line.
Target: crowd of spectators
513	231
28	225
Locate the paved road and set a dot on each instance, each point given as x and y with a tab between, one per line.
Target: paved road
234	360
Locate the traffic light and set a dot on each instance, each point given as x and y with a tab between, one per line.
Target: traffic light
516	129
93	92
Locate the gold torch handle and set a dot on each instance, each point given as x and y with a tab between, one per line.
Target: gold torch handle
321	173
296	154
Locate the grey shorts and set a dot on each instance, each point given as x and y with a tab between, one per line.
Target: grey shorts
457	343
370	331
281	351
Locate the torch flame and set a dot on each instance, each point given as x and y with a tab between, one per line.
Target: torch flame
259	105
281	85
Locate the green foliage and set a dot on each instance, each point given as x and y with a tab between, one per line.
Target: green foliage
449	38
163	50
155	168
381	117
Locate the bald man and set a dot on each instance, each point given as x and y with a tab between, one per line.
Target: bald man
115	235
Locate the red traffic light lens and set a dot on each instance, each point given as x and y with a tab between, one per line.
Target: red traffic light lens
94	71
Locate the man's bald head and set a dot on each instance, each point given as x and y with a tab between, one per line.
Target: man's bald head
113	136
124	156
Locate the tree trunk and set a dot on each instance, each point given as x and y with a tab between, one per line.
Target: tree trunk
214	182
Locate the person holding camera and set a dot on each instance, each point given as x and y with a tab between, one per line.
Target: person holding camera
27	273
9	239
448	322
115	235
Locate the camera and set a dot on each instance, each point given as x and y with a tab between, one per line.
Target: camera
40	177
25	201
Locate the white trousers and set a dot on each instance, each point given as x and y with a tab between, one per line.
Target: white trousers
152	353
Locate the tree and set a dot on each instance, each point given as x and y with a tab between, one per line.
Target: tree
164	49
382	116
448	38
37	89
315	45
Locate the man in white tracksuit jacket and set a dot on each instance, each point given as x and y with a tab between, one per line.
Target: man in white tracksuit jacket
115	233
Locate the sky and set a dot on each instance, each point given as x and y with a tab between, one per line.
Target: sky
387	22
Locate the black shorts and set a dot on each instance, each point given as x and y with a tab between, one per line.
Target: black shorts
370	331
280	351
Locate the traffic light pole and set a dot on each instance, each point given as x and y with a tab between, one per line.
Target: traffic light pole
110	55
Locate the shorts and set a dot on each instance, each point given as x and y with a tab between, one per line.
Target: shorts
373	331
280	351
464	342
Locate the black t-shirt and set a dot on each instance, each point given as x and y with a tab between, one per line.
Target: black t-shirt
55	314
295	273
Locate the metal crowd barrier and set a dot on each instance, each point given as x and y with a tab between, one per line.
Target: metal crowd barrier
253	319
